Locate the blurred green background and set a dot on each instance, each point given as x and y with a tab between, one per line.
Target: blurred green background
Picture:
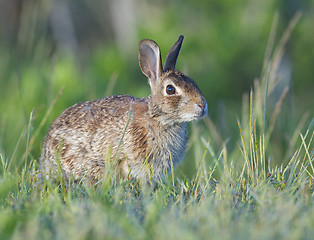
91	48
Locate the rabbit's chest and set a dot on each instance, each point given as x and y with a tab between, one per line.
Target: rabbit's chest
167	148
151	147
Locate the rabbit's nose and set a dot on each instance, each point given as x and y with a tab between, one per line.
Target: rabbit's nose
202	106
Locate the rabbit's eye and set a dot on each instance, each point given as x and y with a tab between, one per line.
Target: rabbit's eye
170	90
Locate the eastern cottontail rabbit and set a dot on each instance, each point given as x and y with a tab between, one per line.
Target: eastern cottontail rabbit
144	137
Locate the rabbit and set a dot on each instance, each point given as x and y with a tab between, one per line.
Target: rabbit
144	137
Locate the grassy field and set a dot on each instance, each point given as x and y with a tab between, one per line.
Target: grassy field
243	186
250	200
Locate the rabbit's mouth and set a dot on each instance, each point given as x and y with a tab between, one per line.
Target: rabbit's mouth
188	117
199	111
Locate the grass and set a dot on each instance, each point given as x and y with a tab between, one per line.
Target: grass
250	204
238	193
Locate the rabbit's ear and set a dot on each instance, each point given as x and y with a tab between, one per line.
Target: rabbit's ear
150	60
171	60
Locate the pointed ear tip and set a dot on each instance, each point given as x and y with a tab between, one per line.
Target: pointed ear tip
142	42
181	37
149	42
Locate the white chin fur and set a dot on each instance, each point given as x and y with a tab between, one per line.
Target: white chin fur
188	117
198	114
183	118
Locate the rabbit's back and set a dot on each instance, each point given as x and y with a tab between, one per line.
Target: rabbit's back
95	114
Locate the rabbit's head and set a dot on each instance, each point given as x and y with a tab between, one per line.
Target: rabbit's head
175	97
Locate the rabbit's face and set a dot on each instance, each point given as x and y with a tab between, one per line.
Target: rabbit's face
177	99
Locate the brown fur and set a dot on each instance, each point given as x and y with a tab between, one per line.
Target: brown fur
140	135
